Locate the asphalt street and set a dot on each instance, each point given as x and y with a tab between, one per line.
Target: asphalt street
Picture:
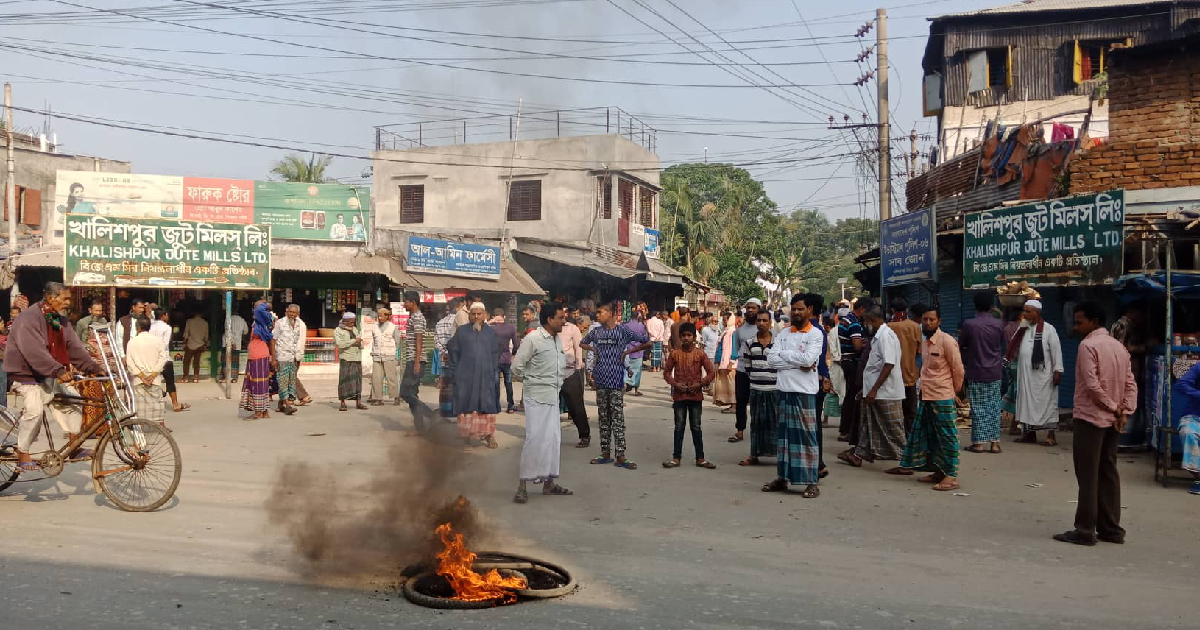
652	548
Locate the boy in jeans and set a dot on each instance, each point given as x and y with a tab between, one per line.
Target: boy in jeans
688	371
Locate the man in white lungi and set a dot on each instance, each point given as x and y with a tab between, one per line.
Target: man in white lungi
1039	370
541	364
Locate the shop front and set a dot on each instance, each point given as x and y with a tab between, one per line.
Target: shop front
599	274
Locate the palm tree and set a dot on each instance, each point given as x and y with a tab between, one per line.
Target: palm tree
293	168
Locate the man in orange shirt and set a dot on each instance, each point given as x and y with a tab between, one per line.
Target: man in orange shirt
933	444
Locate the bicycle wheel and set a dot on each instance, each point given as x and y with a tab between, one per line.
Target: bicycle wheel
8	435
138	469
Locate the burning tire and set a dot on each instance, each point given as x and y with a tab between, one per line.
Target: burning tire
543	580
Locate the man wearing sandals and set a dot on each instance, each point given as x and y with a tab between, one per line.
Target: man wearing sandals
42	357
688	371
933	445
540	363
612	344
881	410
794	355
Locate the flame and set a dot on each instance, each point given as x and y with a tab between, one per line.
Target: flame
455	566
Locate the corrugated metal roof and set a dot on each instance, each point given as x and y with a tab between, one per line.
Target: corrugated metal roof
586	260
513	279
44	257
1035	6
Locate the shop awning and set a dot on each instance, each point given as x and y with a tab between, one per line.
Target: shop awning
513	279
610	261
329	259
43	257
584	260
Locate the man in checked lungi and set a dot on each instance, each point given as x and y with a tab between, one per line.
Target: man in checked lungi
933	445
983	343
794	354
145	357
881	411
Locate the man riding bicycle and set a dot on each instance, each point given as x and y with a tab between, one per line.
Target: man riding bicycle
44	353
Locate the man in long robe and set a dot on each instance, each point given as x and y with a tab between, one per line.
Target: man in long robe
1039	371
474	353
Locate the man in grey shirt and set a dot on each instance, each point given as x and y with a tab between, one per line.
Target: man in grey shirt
745	335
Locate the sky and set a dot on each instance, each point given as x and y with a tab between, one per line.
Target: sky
751	83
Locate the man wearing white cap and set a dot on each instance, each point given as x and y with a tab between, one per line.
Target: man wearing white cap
474	354
1038	352
349	344
745	335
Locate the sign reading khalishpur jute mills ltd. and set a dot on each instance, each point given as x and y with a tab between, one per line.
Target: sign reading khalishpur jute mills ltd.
163	253
1074	241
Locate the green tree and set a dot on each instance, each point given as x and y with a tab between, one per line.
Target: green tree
294	168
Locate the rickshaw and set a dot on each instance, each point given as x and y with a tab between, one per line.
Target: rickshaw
136	462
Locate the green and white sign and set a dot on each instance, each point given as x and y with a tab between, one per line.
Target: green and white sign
1077	241
327	212
117	251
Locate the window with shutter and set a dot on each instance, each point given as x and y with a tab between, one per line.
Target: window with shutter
647	207
412	204
604	196
525	200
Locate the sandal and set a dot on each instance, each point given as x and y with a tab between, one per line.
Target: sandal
182	407
850	458
706	464
360	406
627	465
558	491
946	485
749	461
1049	442
1028	438
491	442
779	485
584	443
602	460
81	455
521	497
899	471
975	448
996	448
671	464
304	401
811	492
734	439
932	478
27	467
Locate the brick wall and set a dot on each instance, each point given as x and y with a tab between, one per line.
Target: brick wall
1154	125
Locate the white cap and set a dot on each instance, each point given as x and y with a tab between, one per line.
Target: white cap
1034	304
844	311
478	305
349	315
754	301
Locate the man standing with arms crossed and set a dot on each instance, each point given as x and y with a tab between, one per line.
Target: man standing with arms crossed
745	335
1105	396
385	339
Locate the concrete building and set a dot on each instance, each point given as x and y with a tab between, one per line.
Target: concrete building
37	164
580	214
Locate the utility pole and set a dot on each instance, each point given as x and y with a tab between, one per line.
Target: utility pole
10	183
885	153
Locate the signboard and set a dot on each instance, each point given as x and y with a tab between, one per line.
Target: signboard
116	194
651	248
325	212
908	248
435	255
1073	241
108	251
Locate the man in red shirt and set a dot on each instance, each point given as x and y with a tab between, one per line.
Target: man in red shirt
1105	396
688	371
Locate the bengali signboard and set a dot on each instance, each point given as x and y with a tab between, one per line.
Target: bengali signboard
163	253
325	212
908	248
1072	241
434	255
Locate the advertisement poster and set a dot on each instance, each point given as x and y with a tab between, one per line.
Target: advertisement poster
116	195
1073	241
326	212
907	248
435	255
160	253
652	243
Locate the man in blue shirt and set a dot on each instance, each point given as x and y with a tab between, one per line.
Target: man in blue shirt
611	344
850	336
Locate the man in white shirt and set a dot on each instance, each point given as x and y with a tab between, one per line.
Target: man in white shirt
233	341
385	338
161	328
572	386
289	334
794	355
881	412
145	356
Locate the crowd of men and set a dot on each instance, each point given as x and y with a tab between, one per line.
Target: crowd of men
894	379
